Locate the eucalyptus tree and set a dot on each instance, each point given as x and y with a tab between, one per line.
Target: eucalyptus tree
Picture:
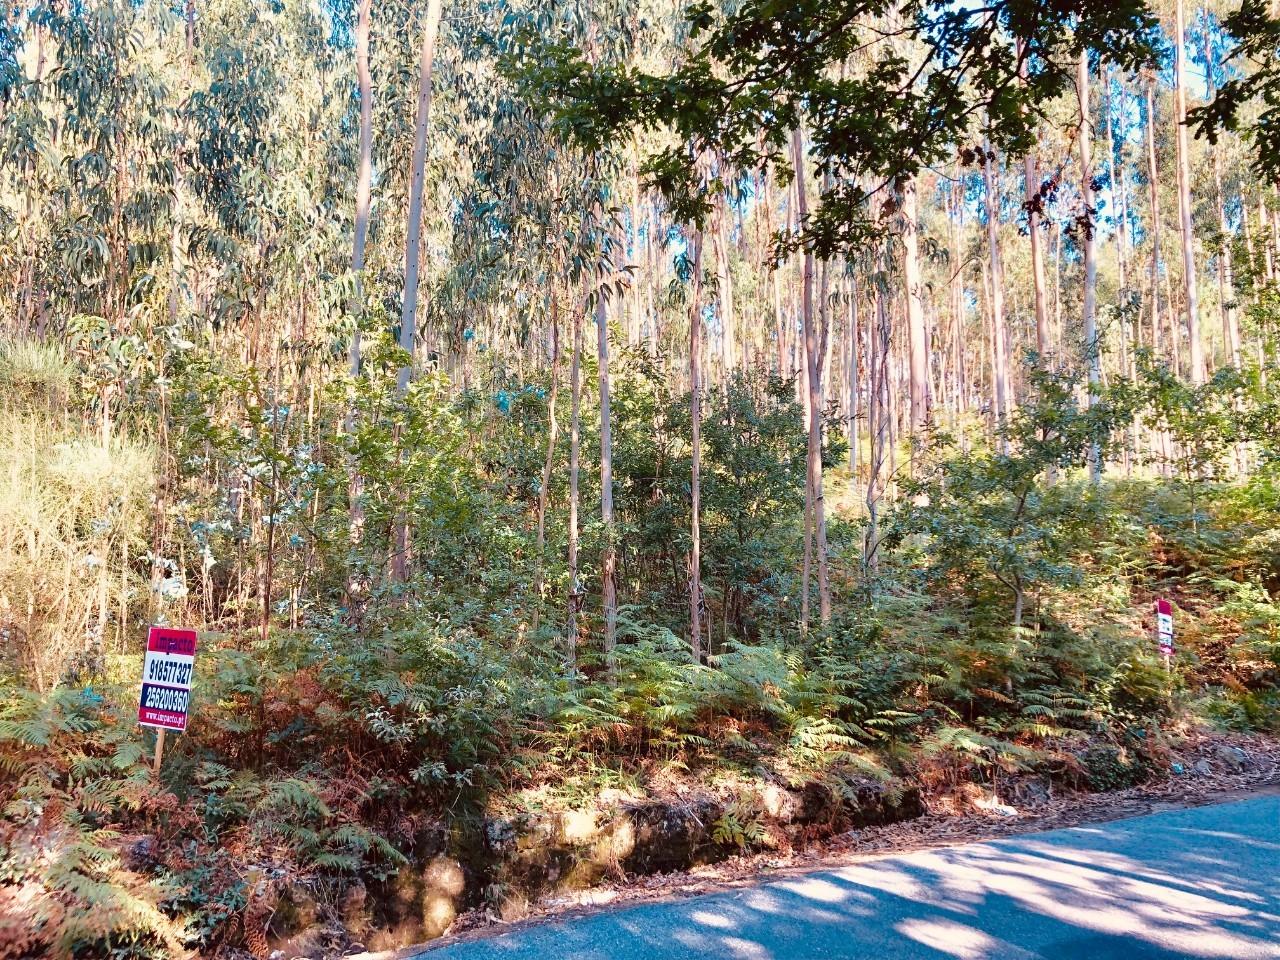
574	593
815	536
535	223
1001	398
918	353
364	176
755	75
87	136
756	72
879	342
265	251
417	172
1187	230
1248	100
177	199
1153	203
609	553
695	453
594	251
412	245
1033	205
1088	243
360	233
852	351
1215	73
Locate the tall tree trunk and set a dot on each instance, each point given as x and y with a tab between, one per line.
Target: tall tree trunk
780	329
825	325
990	352
1032	177
364	194
813	353
877	429
795	368
634	314
695	456
609	559
1033	203
1057	285
1116	176
1153	184
1092	346
1275	236
269	553
652	254
959	379
724	288
918	346
780	325
1226	275
1226	279
851	376
1269	270
1198	375
409	306
545	489
999	360
413	235
364	176
1159	332
575	458
1034	208
1128	343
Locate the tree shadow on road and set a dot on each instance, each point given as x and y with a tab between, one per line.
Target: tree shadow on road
1113	892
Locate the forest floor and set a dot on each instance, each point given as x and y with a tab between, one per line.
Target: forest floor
1207	768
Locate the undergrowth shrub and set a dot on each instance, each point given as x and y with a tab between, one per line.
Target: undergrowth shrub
1003	634
751	702
75	782
309	759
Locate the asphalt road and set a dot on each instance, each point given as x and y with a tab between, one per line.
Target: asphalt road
1186	883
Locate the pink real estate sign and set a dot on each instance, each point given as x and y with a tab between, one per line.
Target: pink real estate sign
167	672
1164	627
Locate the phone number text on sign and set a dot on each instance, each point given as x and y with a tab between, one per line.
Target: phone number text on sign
167	673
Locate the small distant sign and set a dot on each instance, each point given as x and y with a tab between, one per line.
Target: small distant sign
1164	627
167	672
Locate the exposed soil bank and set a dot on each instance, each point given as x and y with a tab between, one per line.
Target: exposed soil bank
466	882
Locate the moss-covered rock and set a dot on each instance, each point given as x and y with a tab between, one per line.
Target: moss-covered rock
1108	767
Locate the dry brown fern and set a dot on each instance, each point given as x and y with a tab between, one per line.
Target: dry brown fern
257	917
19	928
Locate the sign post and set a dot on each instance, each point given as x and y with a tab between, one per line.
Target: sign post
1164	631
155	763
167	672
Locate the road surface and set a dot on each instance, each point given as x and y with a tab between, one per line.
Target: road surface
1203	882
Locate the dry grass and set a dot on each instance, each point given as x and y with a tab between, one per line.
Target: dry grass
32	372
73	520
